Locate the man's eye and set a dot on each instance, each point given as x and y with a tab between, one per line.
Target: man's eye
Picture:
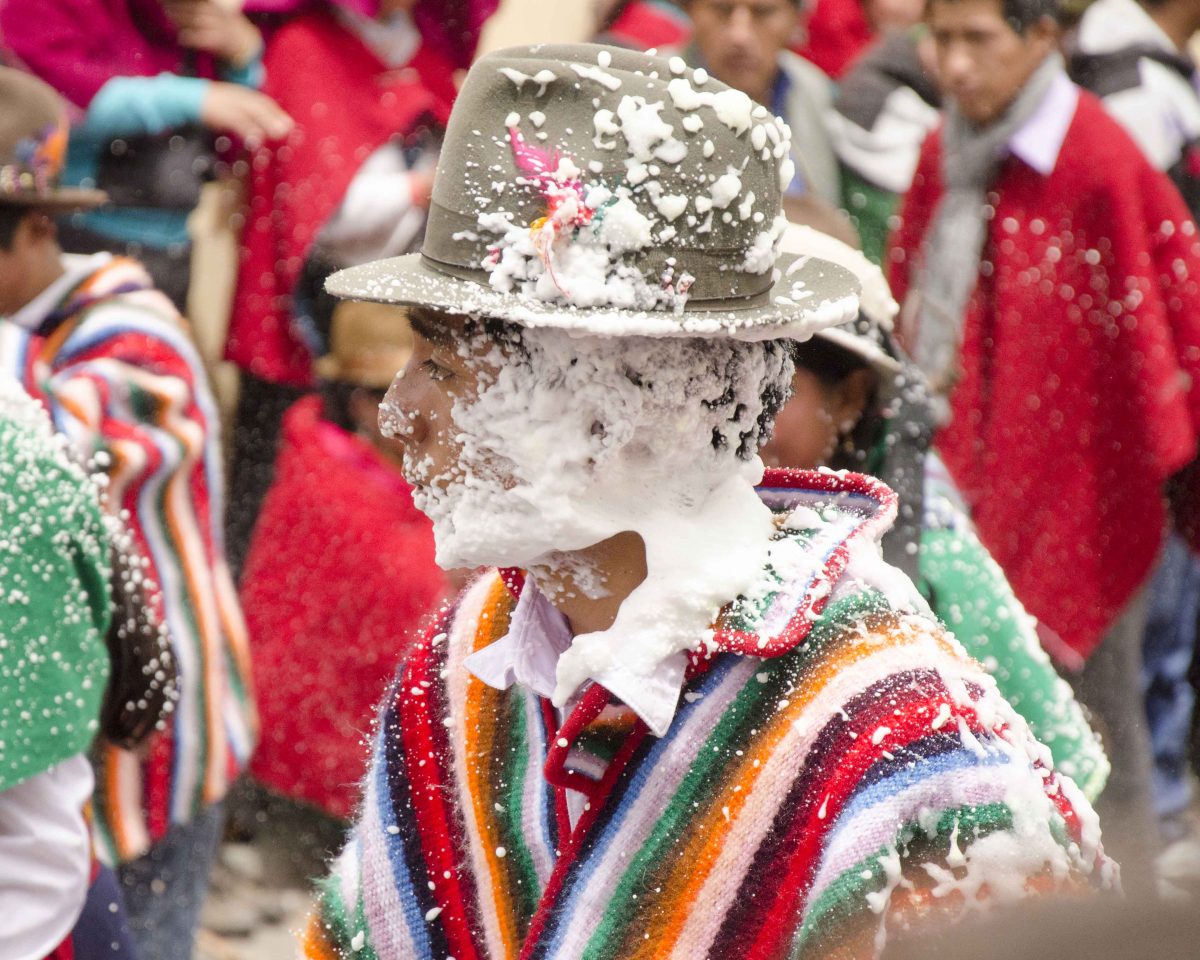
436	371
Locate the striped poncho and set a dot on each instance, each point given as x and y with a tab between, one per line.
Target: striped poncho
113	363
837	769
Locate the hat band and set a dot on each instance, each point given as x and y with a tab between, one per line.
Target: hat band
37	160
453	246
20	181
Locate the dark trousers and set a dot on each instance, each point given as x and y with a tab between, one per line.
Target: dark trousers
1109	686
102	930
256	431
165	887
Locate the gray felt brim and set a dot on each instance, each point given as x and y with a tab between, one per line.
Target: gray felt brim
809	295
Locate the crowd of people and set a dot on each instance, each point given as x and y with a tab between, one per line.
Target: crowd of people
628	496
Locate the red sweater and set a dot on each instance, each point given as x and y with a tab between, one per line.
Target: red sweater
340	575
1073	405
315	67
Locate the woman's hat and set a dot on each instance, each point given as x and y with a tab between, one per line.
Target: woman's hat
368	344
868	336
33	147
610	192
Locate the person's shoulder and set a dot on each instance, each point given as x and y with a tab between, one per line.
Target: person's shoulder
807	75
39	481
118	306
308	30
478	616
1098	144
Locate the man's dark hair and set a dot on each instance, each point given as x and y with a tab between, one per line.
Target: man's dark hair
1021	14
336	396
10	219
686	4
831	364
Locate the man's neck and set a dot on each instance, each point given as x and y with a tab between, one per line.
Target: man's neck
588	586
41	275
1179	21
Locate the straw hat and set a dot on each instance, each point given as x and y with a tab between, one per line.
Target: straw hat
606	191
368	344
33	147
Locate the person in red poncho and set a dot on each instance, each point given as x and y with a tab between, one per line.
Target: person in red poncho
339	574
369	84
1050	280
642	24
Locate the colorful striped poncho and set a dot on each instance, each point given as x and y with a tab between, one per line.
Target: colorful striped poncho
112	362
837	769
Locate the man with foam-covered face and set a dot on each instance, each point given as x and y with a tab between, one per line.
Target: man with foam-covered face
669	685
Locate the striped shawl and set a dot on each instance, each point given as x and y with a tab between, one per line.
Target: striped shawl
114	365
837	769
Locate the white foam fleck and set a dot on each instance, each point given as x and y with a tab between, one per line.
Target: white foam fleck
588	72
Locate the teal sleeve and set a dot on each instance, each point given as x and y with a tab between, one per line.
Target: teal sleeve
55	608
127	106
251	74
970	594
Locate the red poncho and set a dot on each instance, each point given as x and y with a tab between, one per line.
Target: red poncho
346	104
837	32
1079	347
339	577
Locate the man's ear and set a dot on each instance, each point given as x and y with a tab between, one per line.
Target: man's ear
1045	33
853	395
34	229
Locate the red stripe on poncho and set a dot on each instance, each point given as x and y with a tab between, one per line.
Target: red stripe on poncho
1073	406
346	104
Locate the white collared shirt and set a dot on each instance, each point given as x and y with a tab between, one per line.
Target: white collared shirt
45	858
1039	140
538	635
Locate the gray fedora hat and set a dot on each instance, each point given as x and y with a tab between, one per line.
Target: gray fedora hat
610	192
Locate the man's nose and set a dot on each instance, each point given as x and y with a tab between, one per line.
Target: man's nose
398	416
740	27
956	64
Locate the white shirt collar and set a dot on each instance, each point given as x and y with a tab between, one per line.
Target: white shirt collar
75	268
537	636
1111	25
394	41
1039	140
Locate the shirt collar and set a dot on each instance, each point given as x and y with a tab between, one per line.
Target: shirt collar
1039	140
394	40
537	636
75	268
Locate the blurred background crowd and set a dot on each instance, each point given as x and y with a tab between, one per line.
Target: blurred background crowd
1021	178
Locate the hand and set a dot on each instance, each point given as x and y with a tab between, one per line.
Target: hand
244	113
216	28
421	184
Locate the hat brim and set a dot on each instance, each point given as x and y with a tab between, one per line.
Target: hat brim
809	295
62	200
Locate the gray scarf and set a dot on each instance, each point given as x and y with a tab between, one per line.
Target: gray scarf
970	159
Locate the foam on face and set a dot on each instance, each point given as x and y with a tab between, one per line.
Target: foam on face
589	437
